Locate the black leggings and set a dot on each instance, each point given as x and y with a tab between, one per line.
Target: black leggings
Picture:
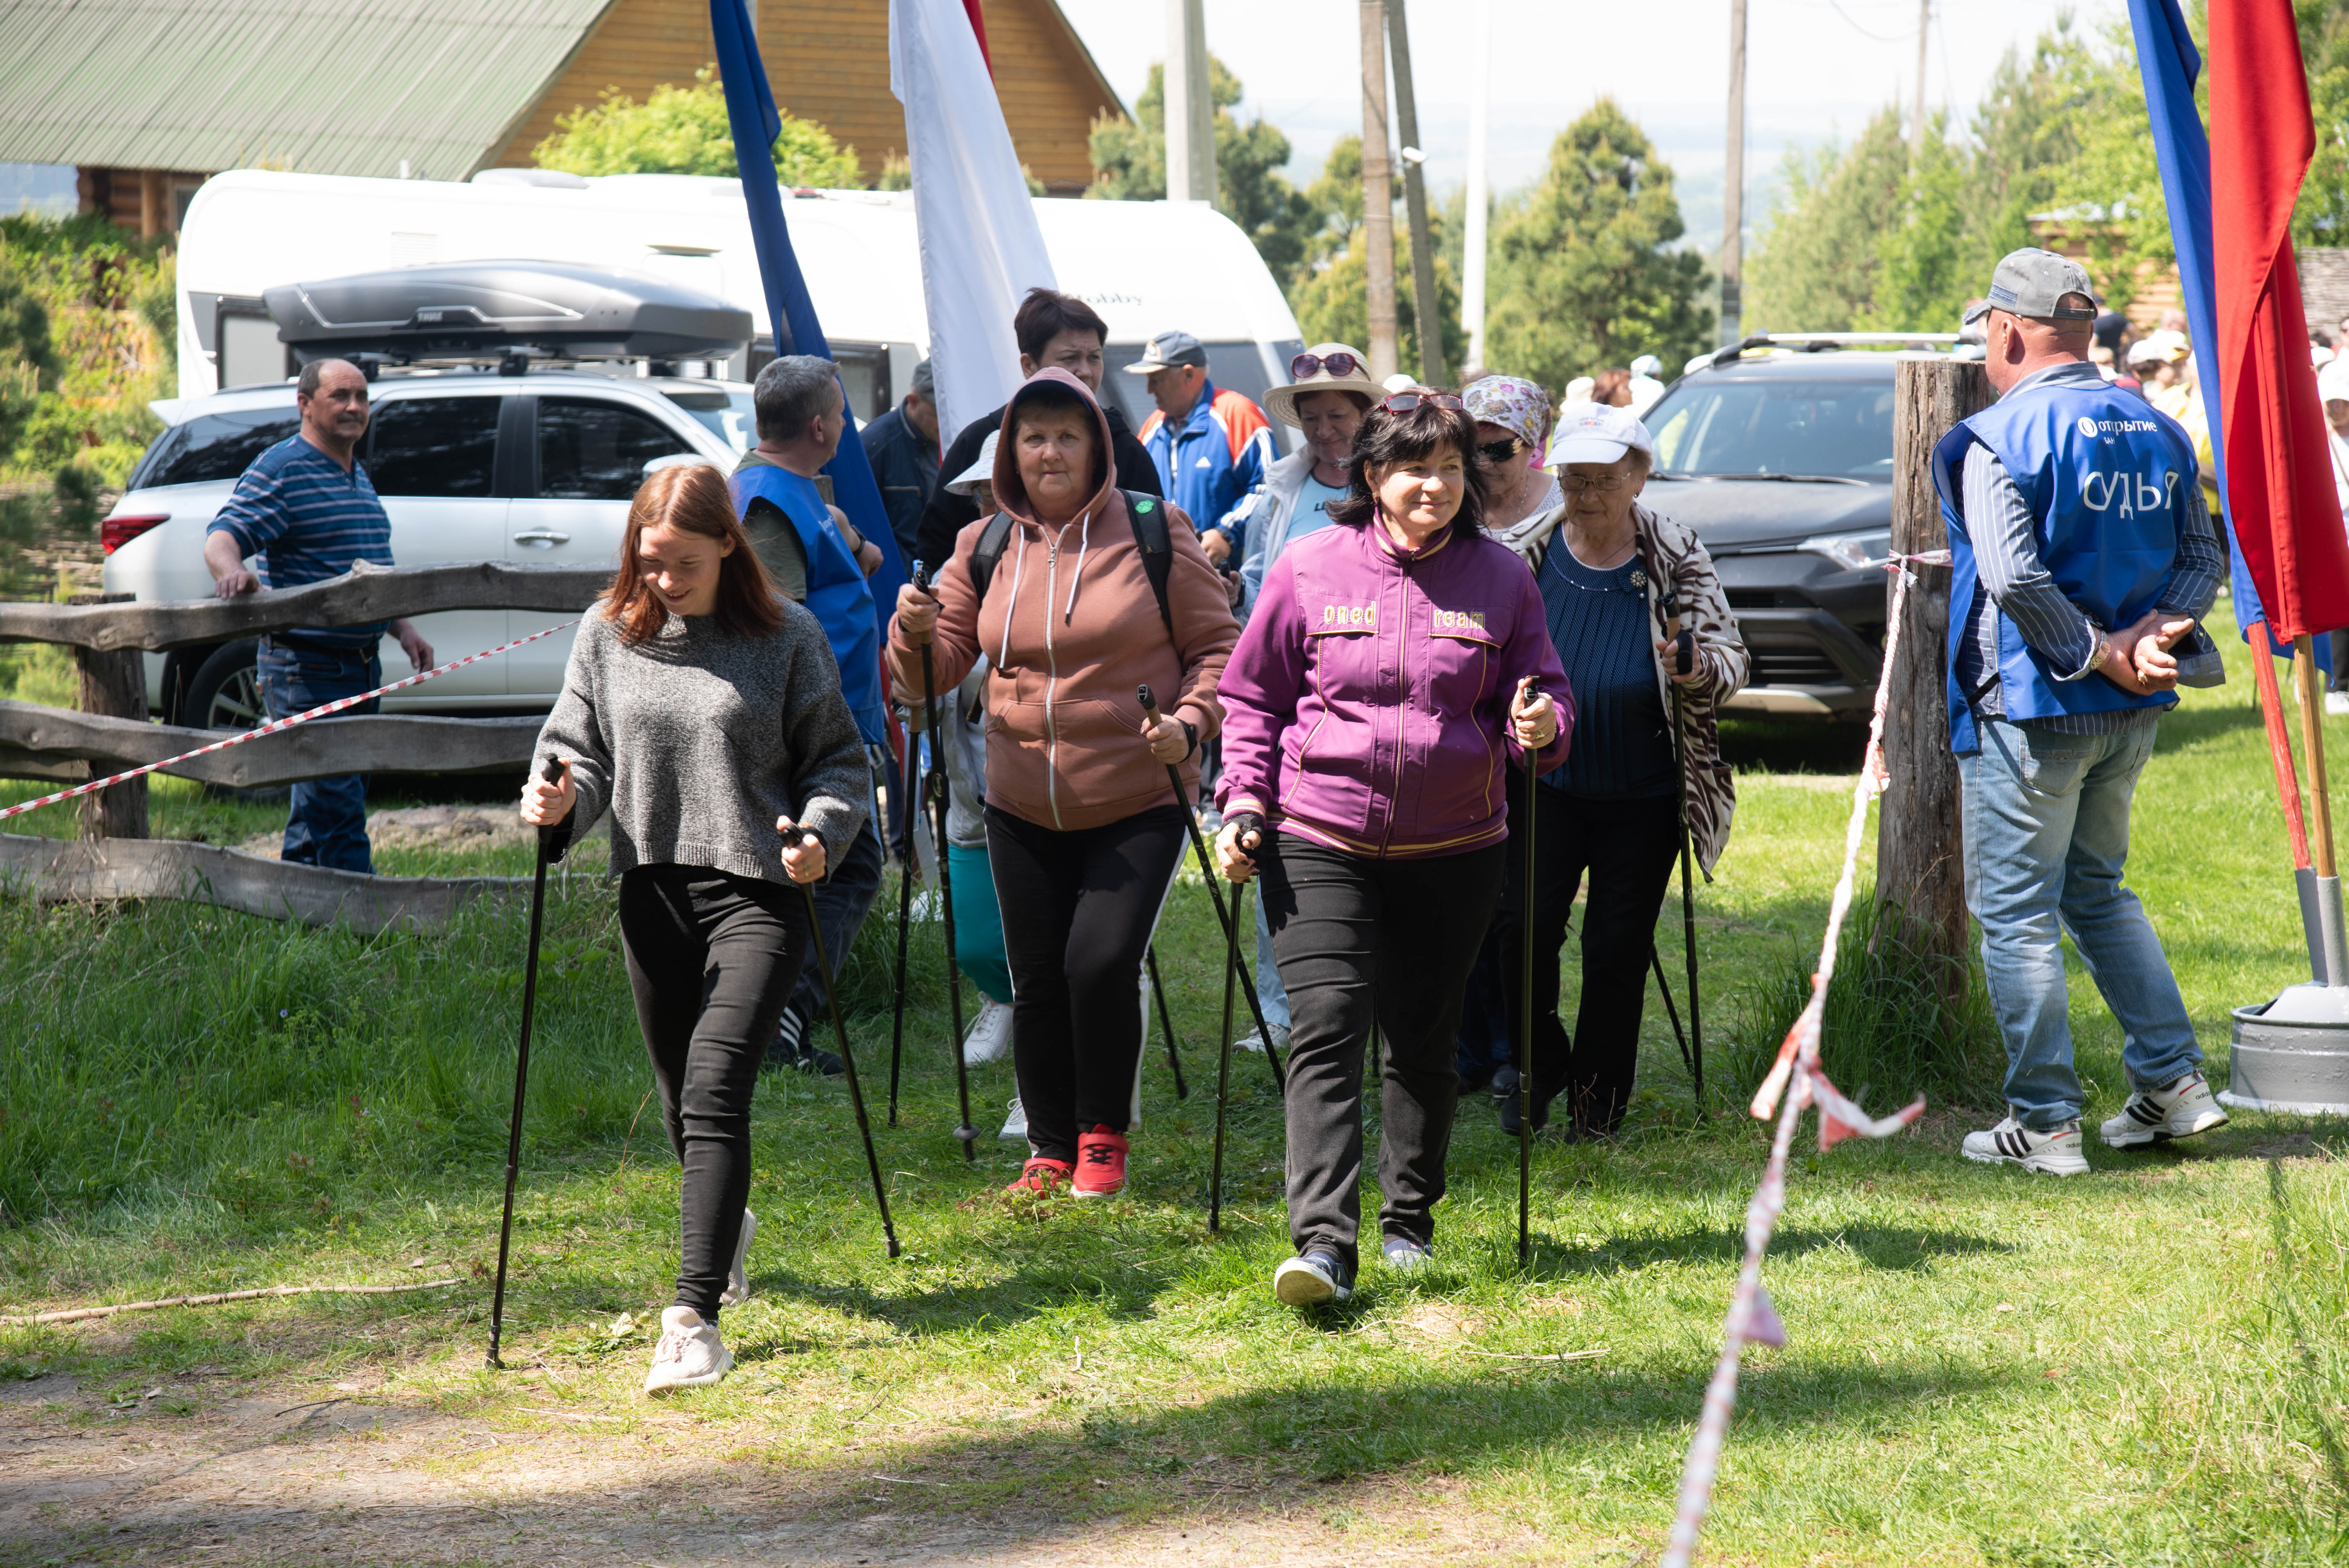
1627	846
1358	938
1078	909
712	959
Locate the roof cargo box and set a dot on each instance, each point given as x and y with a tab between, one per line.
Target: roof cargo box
476	310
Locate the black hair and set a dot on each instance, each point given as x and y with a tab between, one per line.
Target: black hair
1046	313
1385	439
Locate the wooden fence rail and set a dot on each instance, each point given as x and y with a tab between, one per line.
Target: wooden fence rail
357	597
53	742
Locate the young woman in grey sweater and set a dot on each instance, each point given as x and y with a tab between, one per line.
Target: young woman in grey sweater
704	712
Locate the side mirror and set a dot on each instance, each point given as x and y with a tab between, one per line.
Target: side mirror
654	465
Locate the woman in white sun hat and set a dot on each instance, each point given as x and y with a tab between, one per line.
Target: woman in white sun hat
1617	811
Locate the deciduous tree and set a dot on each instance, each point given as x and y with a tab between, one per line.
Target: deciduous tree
684	130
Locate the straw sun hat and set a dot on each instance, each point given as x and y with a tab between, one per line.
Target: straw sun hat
1280	402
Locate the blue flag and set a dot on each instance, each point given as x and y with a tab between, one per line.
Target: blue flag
752	114
2169	63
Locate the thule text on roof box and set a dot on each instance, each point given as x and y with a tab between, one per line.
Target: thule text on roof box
508	311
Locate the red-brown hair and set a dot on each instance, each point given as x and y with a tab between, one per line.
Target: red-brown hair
691	497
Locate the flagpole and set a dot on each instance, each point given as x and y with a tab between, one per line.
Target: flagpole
2311	740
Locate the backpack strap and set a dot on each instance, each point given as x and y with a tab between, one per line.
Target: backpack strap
988	552
1148	515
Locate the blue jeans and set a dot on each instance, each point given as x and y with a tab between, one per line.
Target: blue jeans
2046	831
327	824
842	899
1270	991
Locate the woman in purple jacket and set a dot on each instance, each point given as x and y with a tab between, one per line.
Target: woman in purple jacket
1392	664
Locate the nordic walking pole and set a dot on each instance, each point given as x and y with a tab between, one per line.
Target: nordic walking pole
938	793
1224	1065
1526	1019
904	912
840	1030
1656	962
1207	873
551	773
1684	651
1165	1021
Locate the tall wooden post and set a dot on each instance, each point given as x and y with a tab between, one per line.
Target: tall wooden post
1732	188
1378	195
1423	302
1920	854
113	683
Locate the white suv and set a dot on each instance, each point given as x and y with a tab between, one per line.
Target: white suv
537	468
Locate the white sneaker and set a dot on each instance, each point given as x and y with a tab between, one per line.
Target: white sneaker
1254	1040
738	1278
2337	702
2056	1153
990	1034
1015	1125
2157	1115
689	1355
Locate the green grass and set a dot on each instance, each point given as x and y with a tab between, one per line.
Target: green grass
2146	1365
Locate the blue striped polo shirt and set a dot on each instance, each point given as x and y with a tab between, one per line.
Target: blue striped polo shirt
305	520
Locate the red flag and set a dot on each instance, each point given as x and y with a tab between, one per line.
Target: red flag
978	29
2279	471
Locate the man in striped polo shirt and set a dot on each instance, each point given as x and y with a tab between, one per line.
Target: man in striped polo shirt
305	512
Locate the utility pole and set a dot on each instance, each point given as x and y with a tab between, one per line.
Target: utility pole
1190	105
1423	312
1917	131
1732	188
1377	194
1472	253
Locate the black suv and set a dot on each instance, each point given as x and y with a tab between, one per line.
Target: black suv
1782	462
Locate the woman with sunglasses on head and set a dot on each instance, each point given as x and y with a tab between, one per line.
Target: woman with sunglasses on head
703	711
1392	667
1611	572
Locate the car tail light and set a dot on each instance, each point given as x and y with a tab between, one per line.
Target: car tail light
116	531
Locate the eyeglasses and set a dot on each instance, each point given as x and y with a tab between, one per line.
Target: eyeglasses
1306	365
1404	402
1502	450
1575	484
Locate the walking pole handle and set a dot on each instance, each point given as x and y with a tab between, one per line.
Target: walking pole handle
921	581
1149	701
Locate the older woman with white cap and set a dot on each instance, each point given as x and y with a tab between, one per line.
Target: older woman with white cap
1328	391
1610	572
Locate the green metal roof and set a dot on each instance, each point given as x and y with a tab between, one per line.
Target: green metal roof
300	85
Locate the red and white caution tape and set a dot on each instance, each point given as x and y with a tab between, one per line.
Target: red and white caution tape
1795	1082
272	728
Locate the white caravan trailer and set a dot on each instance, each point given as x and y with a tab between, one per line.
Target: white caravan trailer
1147	266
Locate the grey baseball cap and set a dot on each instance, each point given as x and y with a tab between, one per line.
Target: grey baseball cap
1168	349
2030	282
925	381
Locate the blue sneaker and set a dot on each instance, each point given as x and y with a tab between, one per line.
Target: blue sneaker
1403	1252
1310	1280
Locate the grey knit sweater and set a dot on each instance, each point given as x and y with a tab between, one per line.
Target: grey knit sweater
697	741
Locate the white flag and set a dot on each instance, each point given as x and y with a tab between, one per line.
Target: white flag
981	250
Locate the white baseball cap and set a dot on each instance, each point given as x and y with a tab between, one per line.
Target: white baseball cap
2333	381
1597	433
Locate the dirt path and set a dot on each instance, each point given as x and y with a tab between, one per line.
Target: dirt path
343	1476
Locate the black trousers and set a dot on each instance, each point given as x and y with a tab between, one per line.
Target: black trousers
1078	909
1357	939
1628	847
712	959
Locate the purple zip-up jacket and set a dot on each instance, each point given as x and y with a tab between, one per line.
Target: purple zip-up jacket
1366	709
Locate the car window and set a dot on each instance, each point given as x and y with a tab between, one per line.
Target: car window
593	450
213	447
726	413
433	446
1839	428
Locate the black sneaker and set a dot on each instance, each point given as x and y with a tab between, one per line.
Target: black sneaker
1504	1083
790	1048
1513	1110
1310	1280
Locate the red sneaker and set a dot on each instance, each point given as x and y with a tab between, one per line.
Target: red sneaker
1040	1178
1100	1164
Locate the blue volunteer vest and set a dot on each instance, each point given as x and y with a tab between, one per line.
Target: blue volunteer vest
2106	475
837	594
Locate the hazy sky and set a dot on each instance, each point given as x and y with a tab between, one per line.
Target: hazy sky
1815	68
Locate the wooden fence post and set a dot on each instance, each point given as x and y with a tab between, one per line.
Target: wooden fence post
115	685
1920	852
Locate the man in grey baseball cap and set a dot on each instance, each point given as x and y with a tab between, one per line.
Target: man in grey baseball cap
2081	552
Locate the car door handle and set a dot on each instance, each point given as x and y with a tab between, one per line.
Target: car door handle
541	536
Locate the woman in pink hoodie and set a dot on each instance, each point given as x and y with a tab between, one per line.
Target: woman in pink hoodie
1393	665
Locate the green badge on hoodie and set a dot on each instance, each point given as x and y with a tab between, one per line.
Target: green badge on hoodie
1145	505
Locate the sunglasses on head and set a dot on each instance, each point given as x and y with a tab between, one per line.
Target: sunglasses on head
1404	402
1502	450
1307	366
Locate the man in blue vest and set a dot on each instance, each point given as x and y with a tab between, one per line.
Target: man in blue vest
817	557
2081	554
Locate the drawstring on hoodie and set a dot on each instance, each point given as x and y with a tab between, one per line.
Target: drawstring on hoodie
1019	569
1084	543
